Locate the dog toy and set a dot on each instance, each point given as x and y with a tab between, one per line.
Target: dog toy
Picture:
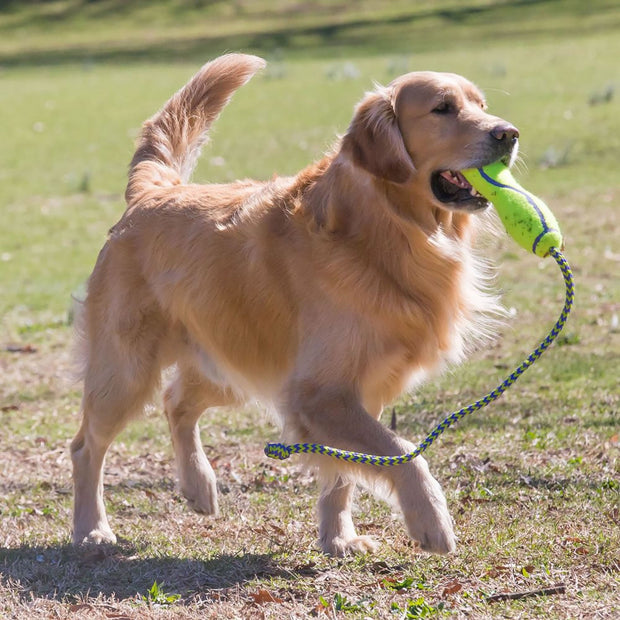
531	224
527	219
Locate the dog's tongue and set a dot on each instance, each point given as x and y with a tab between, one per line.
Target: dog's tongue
456	178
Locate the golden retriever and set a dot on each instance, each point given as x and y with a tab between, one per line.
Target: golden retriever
324	295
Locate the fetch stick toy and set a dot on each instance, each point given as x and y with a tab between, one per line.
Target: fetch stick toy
530	222
527	219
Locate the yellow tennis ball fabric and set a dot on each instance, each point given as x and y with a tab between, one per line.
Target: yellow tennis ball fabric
527	219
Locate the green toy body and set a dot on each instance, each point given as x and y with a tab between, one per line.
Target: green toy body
527	219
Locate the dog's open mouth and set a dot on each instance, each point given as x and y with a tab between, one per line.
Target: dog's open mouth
453	189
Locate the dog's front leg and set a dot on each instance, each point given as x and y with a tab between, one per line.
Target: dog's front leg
333	415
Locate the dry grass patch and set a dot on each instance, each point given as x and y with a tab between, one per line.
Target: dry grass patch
532	512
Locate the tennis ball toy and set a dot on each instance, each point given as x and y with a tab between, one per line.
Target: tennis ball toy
527	219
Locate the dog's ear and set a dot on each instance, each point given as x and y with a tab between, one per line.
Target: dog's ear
374	141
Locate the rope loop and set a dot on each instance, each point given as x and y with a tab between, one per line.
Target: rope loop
281	451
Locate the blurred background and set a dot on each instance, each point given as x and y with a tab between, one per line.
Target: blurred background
78	77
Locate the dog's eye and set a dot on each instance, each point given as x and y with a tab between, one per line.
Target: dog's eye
443	108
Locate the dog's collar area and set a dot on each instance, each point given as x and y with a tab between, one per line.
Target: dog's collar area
282	451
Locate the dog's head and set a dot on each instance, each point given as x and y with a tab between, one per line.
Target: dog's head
422	130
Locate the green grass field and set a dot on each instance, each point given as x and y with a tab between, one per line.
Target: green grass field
533	482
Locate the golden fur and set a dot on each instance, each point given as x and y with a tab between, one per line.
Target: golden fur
325	295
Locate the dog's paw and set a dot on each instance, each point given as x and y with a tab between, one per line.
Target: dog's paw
202	500
440	540
432	531
340	546
99	536
425	509
198	484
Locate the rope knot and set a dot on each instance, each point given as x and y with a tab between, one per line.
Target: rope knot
278	451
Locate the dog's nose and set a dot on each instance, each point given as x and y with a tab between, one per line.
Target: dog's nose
505	132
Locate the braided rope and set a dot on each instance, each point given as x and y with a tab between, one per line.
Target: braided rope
282	451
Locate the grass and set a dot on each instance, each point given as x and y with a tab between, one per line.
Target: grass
532	481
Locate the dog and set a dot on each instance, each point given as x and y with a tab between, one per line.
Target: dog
325	295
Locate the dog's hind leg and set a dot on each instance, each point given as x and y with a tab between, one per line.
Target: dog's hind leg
122	370
337	535
185	399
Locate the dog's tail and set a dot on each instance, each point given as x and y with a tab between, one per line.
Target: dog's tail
170	142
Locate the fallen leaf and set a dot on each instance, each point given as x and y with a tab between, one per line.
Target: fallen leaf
496	571
322	607
20	348
452	588
262	596
384	567
526	571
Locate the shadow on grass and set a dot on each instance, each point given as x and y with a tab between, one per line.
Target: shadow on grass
66	573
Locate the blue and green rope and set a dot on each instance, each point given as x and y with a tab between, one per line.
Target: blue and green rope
282	451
